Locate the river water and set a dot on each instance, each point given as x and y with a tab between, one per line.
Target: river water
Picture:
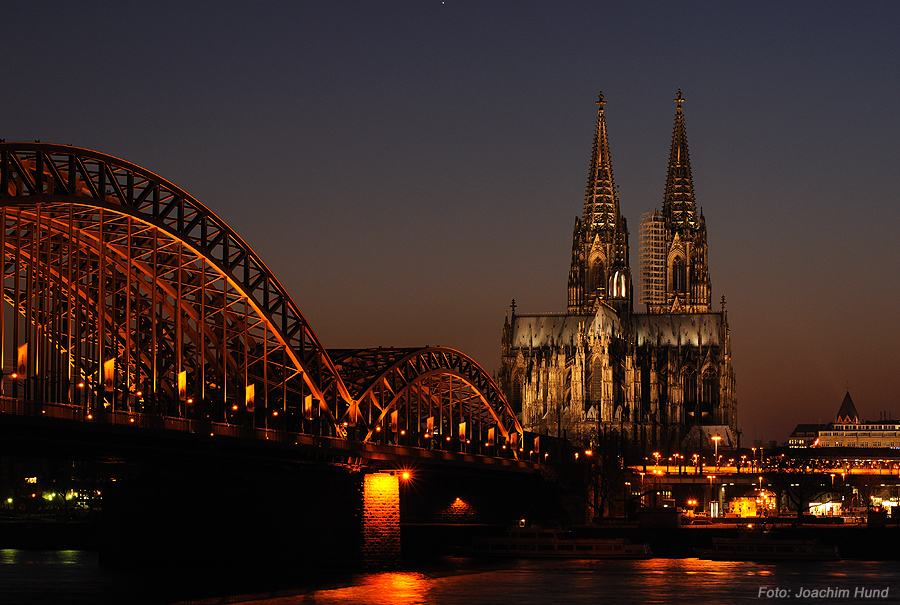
75	578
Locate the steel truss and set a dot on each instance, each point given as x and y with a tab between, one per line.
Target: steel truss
399	390
122	293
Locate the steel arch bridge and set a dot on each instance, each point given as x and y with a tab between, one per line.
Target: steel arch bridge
429	393
122	294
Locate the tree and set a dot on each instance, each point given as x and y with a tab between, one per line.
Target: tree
796	480
607	469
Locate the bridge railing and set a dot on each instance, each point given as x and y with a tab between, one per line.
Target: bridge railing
550	451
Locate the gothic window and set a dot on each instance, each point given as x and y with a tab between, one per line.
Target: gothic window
689	388
662	382
597	380
598	275
618	285
518	381
678	281
619	382
645	387
543	391
586	387
710	394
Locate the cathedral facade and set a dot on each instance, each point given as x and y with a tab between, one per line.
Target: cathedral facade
659	380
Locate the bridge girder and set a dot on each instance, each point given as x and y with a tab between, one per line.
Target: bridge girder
135	270
108	265
416	384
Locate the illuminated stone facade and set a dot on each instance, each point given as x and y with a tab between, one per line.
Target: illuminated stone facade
601	369
381	520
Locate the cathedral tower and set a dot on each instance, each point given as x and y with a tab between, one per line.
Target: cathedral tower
603	375
599	270
674	268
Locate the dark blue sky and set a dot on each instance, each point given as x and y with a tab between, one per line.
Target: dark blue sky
407	168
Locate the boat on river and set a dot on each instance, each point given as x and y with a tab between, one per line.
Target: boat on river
766	547
536	542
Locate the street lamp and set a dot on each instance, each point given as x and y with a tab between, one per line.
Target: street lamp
625	491
711	493
716	440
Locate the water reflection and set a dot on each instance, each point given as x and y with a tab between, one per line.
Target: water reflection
400	588
645	581
74	577
14	556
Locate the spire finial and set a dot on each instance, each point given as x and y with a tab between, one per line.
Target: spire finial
600	100
679	99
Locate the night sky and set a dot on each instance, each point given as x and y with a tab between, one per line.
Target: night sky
407	168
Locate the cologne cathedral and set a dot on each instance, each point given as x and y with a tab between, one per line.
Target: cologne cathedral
660	380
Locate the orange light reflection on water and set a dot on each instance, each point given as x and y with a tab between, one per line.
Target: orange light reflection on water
398	587
664	575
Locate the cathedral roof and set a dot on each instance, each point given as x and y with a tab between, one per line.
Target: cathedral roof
701	437
672	329
542	330
601	203
847	414
679	205
551	329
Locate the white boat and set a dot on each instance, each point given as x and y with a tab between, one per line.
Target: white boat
766	547
536	542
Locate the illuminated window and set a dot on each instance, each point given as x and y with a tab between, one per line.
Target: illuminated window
618	285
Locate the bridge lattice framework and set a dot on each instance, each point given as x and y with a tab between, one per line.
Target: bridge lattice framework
122	293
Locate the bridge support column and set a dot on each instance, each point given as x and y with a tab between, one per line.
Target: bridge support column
381	520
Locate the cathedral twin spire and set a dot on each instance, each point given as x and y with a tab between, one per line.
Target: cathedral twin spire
600	269
601	203
679	206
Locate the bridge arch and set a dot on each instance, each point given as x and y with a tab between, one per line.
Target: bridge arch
398	390
122	293
131	294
